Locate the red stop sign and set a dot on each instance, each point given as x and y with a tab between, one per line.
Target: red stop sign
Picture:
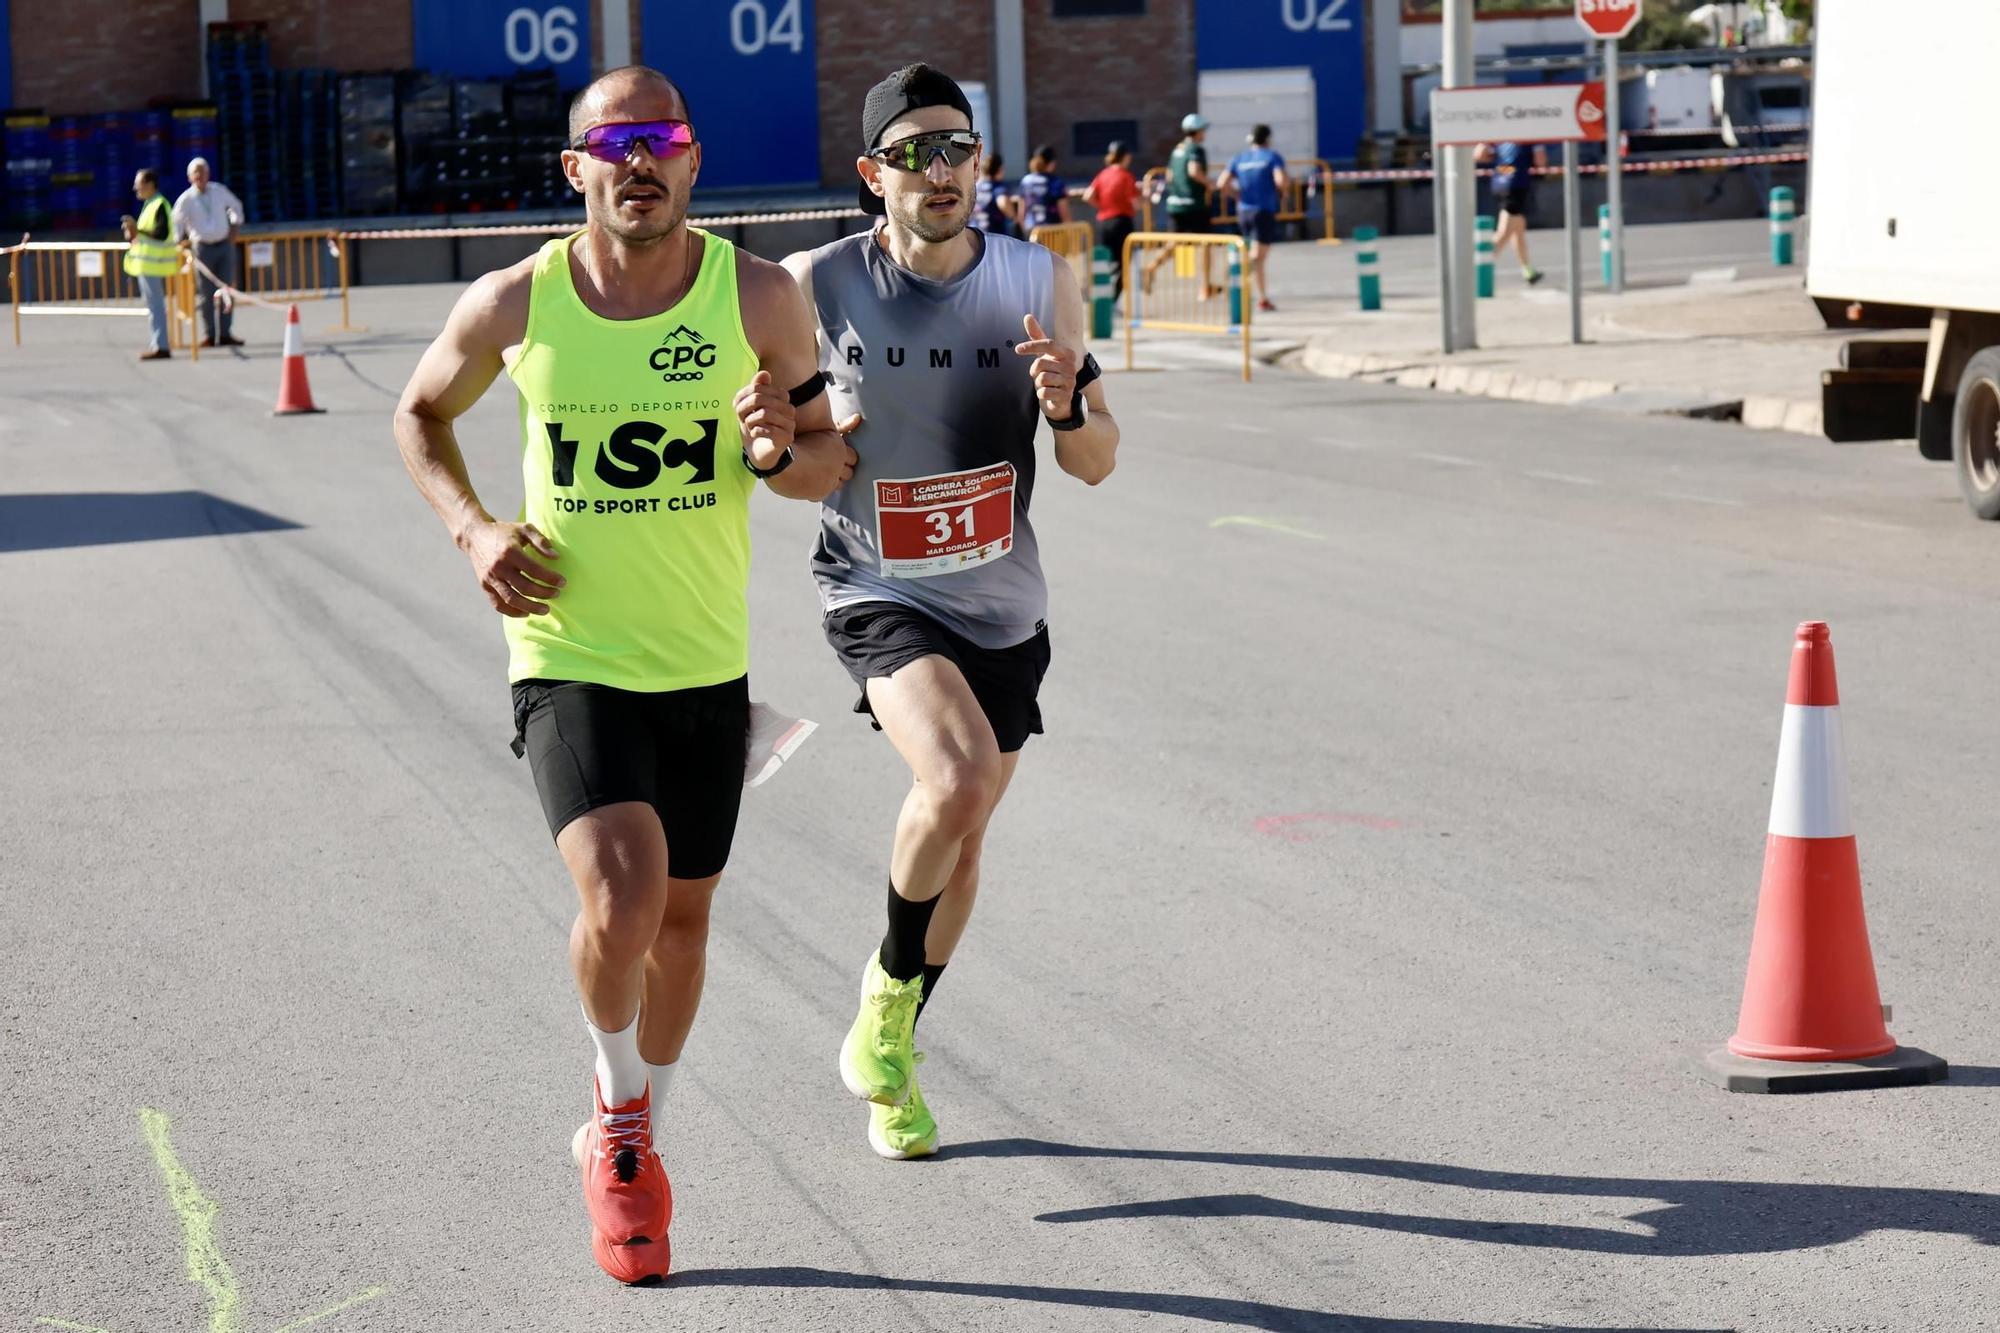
1608	18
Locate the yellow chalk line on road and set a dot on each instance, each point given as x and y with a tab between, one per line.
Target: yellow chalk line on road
331	1310
205	1264
1268	525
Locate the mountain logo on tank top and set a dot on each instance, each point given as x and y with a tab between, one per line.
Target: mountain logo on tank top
682	355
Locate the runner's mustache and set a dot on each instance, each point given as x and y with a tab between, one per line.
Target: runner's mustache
645	181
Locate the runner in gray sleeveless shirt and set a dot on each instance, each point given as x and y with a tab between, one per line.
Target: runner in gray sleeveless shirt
952	345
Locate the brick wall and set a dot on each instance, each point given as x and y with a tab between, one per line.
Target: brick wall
859	41
345	35
1139	68
106	55
337	35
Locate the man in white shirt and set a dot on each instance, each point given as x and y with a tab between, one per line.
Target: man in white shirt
209	215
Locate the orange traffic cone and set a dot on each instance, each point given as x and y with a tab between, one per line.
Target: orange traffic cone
294	394
1811	1017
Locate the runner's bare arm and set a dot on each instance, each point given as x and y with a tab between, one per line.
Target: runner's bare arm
1089	452
490	317
783	333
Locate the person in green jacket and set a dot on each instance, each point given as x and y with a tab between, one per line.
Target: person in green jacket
153	257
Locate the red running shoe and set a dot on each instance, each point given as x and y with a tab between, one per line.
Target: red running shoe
626	1192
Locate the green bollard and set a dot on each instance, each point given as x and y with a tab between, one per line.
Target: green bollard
1482	246
1604	239
1235	286
1364	265
1784	219
1100	292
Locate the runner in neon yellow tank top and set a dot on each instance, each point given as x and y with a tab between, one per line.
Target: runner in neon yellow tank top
661	371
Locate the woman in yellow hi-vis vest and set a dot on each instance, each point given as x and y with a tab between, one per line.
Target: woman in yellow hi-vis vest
153	257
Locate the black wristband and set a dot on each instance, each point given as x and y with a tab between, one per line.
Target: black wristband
1087	372
784	461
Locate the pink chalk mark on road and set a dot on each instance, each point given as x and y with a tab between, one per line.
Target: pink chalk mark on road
1292	827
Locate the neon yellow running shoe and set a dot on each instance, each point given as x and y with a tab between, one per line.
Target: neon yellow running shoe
902	1132
877	1057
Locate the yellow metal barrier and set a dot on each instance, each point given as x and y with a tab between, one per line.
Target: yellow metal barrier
294	266
1073	241
1173	299
89	278
1317	178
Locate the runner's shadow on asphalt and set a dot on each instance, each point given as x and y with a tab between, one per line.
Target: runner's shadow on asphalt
1208	1309
102	518
1699	1217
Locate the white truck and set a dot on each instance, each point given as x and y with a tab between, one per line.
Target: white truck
1904	212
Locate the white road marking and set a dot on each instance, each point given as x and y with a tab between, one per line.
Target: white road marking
1332	443
1449	460
1246	428
1567	478
1699	499
1268	525
1876	524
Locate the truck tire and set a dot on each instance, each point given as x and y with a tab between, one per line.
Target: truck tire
1975	433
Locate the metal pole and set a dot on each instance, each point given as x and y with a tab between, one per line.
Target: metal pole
1614	157
1443	247
1571	226
1459	181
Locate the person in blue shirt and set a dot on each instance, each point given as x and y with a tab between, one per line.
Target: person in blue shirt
995	207
1256	176
1514	194
1042	192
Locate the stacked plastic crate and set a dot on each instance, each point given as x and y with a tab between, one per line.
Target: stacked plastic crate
30	161
309	145
113	137
483	174
196	133
153	146
244	86
73	177
424	117
535	115
368	144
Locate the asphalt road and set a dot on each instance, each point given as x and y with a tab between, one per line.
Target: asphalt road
1395	841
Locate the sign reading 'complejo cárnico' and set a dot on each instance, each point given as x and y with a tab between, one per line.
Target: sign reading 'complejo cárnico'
1518	113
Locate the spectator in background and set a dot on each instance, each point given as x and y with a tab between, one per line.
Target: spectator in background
153	257
1187	197
1042	191
1256	176
995	206
1114	193
209	215
1513	194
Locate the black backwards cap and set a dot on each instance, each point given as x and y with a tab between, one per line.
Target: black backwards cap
906	90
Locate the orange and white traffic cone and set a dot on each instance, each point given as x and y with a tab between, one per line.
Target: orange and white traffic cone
294	394
1811	1018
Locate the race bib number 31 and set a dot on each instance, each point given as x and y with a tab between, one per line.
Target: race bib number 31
935	525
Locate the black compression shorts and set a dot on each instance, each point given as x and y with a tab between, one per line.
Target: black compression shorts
881	638
681	752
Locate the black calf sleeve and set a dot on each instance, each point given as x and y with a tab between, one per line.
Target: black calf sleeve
903	946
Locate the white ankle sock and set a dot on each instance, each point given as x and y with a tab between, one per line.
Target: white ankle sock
621	1071
661	1077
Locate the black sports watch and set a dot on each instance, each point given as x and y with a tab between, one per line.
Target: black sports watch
784	461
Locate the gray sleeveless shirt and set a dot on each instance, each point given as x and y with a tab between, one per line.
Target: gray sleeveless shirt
936	514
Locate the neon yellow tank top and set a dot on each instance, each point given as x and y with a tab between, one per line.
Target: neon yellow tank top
633	464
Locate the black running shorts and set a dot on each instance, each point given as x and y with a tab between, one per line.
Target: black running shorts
1196	223
682	752
880	638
